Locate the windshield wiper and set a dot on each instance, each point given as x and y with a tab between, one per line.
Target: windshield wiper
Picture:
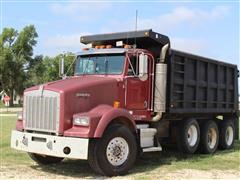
106	65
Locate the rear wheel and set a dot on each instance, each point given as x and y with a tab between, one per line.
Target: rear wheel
226	137
116	151
44	159
188	136
209	137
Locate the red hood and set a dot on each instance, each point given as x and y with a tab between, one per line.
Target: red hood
99	90
74	83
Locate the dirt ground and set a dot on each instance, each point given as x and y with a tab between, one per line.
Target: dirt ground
36	172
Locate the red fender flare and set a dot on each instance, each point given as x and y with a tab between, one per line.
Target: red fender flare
101	116
108	115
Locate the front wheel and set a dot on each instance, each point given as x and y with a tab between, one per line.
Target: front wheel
44	159
116	151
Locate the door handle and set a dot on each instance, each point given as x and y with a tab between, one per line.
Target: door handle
145	104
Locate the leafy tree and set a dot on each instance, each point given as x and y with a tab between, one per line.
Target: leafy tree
51	65
35	72
19	69
15	55
45	69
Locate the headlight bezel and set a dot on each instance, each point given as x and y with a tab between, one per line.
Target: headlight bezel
81	120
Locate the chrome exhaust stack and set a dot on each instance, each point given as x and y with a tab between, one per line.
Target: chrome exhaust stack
160	85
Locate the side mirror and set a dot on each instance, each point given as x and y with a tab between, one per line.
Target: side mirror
61	67
143	65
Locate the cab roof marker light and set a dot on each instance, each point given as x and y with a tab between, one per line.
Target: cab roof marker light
108	46
119	43
126	46
90	45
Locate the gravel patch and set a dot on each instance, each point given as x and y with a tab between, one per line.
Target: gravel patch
36	172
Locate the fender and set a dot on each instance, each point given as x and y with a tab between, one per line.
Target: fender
111	114
101	116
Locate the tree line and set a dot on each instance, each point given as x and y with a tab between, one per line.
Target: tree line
19	67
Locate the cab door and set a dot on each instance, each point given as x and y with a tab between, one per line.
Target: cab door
137	95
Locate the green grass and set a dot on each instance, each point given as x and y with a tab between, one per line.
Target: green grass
9	155
173	160
147	166
1	104
8	112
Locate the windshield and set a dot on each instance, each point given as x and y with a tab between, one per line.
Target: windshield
100	64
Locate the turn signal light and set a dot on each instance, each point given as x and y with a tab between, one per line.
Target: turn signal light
116	104
126	46
109	46
103	46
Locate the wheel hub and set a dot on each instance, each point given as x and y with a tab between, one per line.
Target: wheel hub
229	135
117	151
212	138
192	135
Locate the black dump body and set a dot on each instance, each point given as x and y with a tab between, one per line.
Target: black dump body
201	85
195	84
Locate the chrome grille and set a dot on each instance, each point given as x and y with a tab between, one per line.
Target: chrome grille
41	110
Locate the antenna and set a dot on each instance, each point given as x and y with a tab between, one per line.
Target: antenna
136	20
135	41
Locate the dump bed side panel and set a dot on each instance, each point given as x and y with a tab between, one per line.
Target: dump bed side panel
201	85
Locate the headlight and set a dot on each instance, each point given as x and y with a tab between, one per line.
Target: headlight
19	115
82	121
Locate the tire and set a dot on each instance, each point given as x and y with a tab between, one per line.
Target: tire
209	137
44	159
92	156
116	151
188	136
226	135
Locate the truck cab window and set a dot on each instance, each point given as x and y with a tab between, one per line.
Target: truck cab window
100	64
133	67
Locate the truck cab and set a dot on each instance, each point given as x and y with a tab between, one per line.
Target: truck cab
131	68
130	92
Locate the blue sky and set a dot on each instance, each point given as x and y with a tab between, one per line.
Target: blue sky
208	29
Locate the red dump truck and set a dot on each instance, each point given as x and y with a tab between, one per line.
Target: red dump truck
130	93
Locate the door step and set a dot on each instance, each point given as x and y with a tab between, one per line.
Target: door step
152	149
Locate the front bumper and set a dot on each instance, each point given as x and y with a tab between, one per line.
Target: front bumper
50	145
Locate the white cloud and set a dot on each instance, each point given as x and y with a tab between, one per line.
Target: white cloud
189	45
66	41
164	23
180	16
170	22
60	43
183	16
80	10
